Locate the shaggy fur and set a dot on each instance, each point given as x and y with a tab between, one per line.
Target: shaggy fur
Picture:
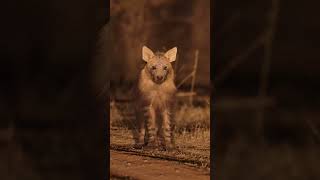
154	101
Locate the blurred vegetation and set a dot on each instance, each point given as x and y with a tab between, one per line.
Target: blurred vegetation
160	25
259	45
187	118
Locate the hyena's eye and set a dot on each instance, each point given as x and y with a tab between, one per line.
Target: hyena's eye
153	67
165	67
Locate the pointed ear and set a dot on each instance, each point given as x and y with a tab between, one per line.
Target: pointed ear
171	54
147	54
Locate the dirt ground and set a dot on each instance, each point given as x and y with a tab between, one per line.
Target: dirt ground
125	165
189	160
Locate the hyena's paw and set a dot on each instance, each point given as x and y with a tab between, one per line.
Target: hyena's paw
138	145
169	147
151	144
166	146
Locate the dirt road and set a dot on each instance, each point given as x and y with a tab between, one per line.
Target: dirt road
125	165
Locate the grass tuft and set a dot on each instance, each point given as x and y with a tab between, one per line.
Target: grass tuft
191	118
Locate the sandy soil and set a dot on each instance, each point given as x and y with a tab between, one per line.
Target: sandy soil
129	166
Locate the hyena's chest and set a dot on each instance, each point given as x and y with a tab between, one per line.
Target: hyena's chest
157	99
156	95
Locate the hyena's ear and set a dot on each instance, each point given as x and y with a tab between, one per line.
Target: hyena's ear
147	54
171	54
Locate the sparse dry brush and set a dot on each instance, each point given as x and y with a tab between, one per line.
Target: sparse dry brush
192	132
188	118
116	118
191	118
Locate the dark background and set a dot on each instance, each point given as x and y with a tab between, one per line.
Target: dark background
52	123
159	25
266	93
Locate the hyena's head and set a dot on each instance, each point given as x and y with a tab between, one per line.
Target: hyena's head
159	64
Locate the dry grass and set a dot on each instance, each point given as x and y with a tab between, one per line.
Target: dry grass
190	118
187	118
192	134
197	140
116	117
193	148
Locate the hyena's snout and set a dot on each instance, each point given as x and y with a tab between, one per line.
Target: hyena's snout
159	78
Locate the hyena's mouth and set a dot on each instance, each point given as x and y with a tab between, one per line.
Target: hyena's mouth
158	81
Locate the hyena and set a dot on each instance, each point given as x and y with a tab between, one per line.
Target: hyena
155	90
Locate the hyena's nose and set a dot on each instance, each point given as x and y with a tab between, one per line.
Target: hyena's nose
159	78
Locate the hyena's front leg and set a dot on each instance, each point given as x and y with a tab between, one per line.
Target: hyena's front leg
151	126
167	129
138	130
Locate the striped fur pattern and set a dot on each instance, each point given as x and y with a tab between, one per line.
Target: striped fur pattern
154	123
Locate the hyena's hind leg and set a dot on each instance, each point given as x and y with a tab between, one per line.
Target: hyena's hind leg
173	123
167	128
173	127
138	130
151	127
